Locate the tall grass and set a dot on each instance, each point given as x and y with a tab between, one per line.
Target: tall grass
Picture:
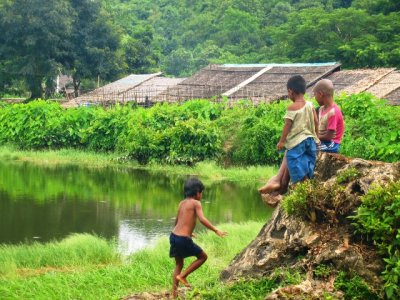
77	250
147	270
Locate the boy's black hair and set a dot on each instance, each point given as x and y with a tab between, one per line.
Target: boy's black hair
297	84
192	187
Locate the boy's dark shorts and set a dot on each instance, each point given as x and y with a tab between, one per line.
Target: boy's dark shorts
183	246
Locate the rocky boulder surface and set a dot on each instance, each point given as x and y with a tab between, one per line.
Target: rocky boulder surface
322	236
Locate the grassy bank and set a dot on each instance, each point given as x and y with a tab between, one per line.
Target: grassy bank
207	170
85	267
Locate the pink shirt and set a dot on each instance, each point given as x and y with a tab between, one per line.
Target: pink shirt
331	119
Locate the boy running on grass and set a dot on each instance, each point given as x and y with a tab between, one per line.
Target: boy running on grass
182	245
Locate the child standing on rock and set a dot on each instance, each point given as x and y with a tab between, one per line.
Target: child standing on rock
181	242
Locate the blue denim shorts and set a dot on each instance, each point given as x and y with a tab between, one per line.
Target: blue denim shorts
301	160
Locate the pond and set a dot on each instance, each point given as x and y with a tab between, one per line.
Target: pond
135	207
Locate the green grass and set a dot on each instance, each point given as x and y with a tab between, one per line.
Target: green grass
59	275
77	250
206	170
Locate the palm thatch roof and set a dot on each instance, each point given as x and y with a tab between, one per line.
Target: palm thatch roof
140	88
381	82
257	82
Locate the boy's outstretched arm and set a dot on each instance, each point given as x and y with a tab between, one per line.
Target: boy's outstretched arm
205	222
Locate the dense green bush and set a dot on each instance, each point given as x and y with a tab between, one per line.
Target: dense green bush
34	125
379	218
172	134
372	128
257	135
192	141
75	124
166	132
354	287
105	127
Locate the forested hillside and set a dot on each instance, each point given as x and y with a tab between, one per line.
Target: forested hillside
184	35
111	38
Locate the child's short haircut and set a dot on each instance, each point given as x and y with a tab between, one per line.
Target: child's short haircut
192	187
297	84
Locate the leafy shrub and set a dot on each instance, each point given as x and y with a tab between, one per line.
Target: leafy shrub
247	133
34	125
379	218
354	287
310	200
323	271
372	130
193	141
105	128
75	121
170	140
347	175
256	139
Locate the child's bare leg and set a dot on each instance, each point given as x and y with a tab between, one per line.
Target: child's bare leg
285	177
201	259
274	184
177	271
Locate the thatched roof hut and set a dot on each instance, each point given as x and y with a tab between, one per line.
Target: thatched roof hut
257	82
141	88
382	82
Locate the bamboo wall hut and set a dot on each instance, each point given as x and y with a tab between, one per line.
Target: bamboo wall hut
143	89
256	82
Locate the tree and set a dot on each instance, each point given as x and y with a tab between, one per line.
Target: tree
33	39
179	62
93	46
351	36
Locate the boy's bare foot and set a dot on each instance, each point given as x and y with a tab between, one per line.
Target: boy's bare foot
269	187
183	281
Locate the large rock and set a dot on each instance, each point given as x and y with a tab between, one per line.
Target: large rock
295	242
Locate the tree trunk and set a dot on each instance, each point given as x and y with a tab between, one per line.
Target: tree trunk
76	83
35	87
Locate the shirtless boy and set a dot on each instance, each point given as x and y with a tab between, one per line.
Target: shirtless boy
181	242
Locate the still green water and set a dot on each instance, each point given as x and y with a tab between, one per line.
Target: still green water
135	207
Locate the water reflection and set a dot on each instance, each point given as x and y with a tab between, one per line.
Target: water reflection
133	206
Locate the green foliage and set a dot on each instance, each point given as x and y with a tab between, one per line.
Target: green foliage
35	125
354	287
243	289
193	141
379	218
323	271
194	131
372	130
260	31
257	135
300	201
75	250
105	128
313	201
146	270
36	54
347	175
